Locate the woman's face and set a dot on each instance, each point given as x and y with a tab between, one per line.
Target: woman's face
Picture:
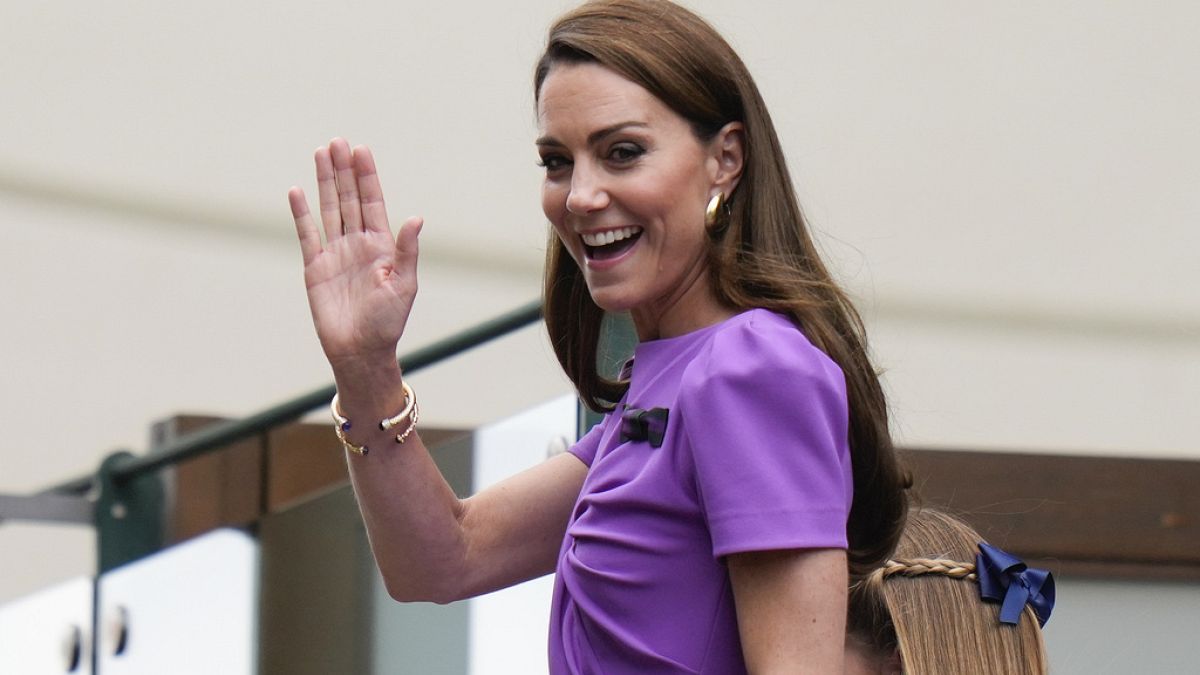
626	187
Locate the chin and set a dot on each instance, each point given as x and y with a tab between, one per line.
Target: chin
610	304
611	300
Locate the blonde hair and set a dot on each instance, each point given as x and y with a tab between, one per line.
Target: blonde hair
925	604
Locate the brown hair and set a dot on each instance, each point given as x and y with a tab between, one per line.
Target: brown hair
763	258
925	604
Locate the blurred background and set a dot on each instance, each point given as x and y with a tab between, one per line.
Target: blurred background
1008	189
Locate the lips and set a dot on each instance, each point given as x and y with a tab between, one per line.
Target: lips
609	243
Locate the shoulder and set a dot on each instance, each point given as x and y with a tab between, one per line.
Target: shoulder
766	420
762	349
587	446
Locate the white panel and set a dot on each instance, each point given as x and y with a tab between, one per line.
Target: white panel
48	631
189	609
508	628
1124	627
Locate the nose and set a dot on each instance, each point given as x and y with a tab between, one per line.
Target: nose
588	193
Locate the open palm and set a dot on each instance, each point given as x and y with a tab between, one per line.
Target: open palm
361	281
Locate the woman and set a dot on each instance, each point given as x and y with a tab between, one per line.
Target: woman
745	460
927	611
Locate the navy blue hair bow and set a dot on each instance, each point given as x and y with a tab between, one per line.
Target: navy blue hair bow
644	425
1005	579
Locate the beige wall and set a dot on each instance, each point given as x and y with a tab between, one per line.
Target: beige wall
1010	189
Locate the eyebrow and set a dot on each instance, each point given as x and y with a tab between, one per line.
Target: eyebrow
595	136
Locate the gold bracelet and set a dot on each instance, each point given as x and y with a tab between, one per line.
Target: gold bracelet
410	411
410	401
412	424
341	425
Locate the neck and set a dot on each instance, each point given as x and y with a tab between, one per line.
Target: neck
695	306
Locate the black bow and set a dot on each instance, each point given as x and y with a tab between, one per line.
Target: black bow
644	425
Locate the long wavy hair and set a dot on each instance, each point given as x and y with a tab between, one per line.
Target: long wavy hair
763	257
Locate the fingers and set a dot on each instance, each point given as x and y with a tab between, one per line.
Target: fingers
347	185
306	229
350	195
370	192
331	210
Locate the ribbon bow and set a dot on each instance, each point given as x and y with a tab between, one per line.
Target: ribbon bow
644	425
1005	579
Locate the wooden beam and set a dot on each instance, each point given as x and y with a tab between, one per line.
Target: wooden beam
1095	516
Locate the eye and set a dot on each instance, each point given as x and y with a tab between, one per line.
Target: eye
623	153
552	163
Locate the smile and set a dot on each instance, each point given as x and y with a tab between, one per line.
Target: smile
611	243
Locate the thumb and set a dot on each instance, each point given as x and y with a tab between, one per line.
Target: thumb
406	244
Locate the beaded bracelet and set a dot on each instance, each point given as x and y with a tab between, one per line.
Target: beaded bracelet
342	424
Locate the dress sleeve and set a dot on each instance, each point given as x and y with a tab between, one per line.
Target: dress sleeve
766	415
585	448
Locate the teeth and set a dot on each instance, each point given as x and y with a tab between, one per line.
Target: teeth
609	236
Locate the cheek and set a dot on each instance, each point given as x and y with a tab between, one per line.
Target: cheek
554	205
554	202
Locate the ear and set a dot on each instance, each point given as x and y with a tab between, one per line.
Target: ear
727	156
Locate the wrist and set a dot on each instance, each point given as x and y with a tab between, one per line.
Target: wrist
359	363
369	387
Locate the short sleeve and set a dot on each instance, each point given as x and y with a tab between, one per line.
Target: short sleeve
585	448
766	415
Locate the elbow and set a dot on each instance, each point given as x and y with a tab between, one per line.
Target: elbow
404	590
407	596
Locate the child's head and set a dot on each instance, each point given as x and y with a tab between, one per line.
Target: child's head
922	612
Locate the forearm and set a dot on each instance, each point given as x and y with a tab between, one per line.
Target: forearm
413	518
429	544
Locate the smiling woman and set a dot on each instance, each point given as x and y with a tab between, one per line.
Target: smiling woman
626	187
709	523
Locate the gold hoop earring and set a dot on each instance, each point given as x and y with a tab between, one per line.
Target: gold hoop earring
716	215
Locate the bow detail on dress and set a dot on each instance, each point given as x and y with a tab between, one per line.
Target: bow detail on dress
1005	579
644	425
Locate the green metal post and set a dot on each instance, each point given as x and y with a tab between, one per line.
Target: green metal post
129	513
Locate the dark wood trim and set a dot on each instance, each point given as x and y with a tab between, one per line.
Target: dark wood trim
1089	516
237	485
1134	571
220	489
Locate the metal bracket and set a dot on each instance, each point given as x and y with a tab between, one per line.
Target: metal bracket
129	513
47	507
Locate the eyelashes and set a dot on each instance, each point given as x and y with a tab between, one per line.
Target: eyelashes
619	155
552	162
625	152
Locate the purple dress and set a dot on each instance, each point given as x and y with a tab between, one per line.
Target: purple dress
754	457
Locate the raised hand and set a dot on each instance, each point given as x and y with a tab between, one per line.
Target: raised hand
361	281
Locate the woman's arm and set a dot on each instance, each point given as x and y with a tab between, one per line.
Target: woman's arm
791	609
430	545
361	283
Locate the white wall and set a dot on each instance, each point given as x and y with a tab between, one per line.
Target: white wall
1010	189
